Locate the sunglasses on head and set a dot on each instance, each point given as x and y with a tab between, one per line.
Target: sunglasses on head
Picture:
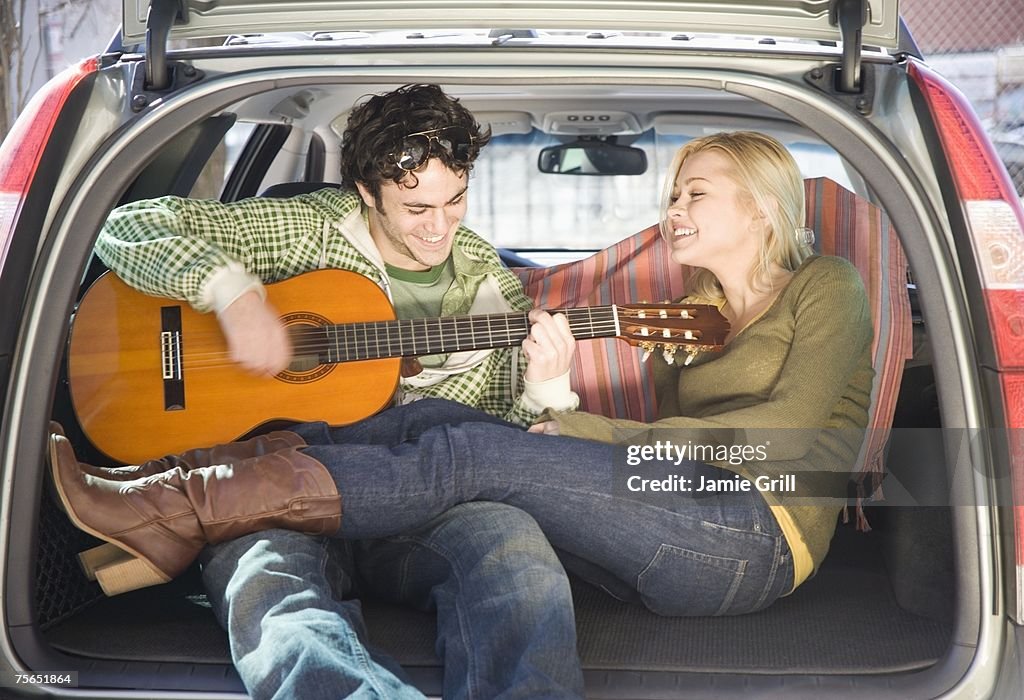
456	140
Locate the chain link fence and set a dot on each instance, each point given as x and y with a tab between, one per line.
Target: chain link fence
979	46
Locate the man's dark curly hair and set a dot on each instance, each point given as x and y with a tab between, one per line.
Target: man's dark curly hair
376	128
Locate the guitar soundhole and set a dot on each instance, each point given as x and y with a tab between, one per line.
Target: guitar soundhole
302	364
308	341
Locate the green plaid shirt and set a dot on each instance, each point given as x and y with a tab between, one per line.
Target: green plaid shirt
172	246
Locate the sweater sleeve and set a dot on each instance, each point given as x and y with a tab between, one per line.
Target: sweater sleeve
176	247
832	330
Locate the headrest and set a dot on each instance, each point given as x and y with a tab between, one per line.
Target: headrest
290	189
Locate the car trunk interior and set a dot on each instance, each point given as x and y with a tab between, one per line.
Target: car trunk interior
880	603
883	604
848	619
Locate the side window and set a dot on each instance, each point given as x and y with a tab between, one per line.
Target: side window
215	173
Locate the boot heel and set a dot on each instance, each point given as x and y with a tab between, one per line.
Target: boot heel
98	557
128	573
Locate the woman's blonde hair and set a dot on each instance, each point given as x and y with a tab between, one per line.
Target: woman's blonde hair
769	181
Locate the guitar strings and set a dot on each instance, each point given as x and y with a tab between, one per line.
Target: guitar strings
454	330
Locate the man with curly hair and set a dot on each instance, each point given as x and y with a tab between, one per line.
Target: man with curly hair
288	601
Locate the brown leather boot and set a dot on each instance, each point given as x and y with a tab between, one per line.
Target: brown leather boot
160	523
227	453
104	555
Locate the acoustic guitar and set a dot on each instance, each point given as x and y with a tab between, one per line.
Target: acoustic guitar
150	376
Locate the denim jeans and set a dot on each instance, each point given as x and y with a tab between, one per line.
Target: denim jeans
506	627
277	593
506	624
677	553
505	620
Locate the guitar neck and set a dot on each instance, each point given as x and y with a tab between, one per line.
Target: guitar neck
417	337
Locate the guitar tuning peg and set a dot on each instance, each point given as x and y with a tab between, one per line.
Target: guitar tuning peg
648	348
669	353
689	357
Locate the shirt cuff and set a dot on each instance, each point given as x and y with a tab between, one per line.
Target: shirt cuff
554	393
228	283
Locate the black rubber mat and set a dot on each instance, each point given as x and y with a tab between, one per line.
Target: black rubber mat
844	620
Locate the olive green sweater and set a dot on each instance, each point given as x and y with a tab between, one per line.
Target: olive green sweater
795	383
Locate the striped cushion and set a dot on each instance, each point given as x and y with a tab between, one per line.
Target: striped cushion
608	374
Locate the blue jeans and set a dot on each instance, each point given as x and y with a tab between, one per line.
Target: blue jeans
506	627
677	553
277	593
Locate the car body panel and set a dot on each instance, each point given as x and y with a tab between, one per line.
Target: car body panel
807	19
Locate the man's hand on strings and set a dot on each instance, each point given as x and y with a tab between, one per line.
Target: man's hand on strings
256	338
549	347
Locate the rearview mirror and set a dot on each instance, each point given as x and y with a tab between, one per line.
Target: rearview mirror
592	158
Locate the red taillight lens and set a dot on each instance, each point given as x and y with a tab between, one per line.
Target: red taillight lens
974	162
992	209
995	217
23	147
1013	392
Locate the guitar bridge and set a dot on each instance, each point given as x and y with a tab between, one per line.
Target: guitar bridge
170	354
170	358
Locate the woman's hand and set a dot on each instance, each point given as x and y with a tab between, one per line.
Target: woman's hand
549	347
256	337
548	427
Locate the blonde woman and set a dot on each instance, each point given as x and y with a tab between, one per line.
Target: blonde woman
776	420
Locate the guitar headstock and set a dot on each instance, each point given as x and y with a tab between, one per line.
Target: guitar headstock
692	328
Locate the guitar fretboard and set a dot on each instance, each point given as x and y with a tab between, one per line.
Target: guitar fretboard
417	337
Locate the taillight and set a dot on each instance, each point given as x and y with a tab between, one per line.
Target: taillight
996	220
22	148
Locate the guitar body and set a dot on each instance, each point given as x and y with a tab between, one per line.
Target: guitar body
149	376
